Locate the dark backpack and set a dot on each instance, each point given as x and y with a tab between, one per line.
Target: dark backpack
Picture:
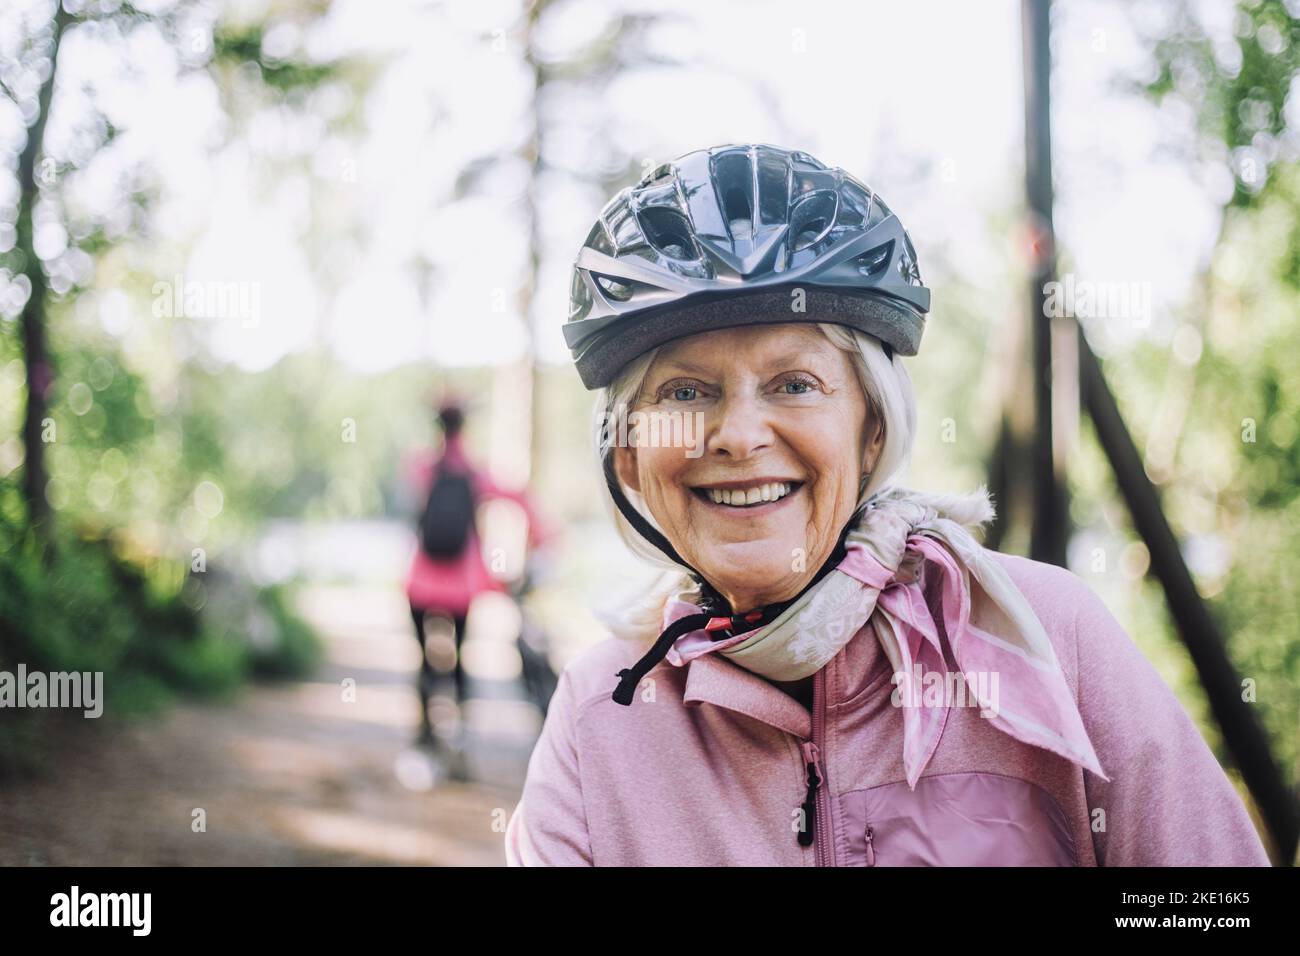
448	515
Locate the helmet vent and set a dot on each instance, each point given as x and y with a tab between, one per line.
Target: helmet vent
874	262
660	174
740	216
668	231
811	219
907	267
616	289
733	183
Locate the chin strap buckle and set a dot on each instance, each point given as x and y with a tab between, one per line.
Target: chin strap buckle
732	625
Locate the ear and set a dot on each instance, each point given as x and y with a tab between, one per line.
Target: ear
625	466
875	430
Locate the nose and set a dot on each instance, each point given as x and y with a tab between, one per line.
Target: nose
739	428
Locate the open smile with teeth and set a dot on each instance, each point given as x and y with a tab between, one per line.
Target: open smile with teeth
748	497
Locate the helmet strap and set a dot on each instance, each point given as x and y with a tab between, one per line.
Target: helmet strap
635	518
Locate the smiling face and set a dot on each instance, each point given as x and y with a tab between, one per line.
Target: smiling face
786	437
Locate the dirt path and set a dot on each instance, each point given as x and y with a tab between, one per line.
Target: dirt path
290	774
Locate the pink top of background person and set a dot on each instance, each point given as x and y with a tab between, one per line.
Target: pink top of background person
451	586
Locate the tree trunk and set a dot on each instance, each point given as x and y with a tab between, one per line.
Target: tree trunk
36	358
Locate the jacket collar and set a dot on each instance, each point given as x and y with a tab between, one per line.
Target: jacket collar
713	679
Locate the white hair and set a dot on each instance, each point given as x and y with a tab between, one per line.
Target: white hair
890	399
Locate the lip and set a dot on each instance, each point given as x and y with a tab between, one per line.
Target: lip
745	483
748	511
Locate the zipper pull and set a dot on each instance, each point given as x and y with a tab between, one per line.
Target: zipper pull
871	849
810	759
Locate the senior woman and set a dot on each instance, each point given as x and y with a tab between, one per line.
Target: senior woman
833	671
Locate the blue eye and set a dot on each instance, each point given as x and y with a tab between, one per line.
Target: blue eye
802	386
680	389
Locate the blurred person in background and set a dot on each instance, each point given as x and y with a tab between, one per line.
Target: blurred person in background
447	571
786	694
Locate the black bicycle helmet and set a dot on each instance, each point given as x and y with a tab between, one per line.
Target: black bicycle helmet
723	237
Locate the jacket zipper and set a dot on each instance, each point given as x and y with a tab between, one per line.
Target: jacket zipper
871	848
816	805
823	848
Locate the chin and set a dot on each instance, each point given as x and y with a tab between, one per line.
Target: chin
761	571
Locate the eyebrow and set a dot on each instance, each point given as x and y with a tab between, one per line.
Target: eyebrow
673	366
803	357
788	359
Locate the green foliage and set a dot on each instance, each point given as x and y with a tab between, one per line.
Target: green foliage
1246	413
1238	95
243	47
297	651
83	606
1235	480
136	435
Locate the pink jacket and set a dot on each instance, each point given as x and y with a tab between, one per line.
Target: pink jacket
451	586
714	770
